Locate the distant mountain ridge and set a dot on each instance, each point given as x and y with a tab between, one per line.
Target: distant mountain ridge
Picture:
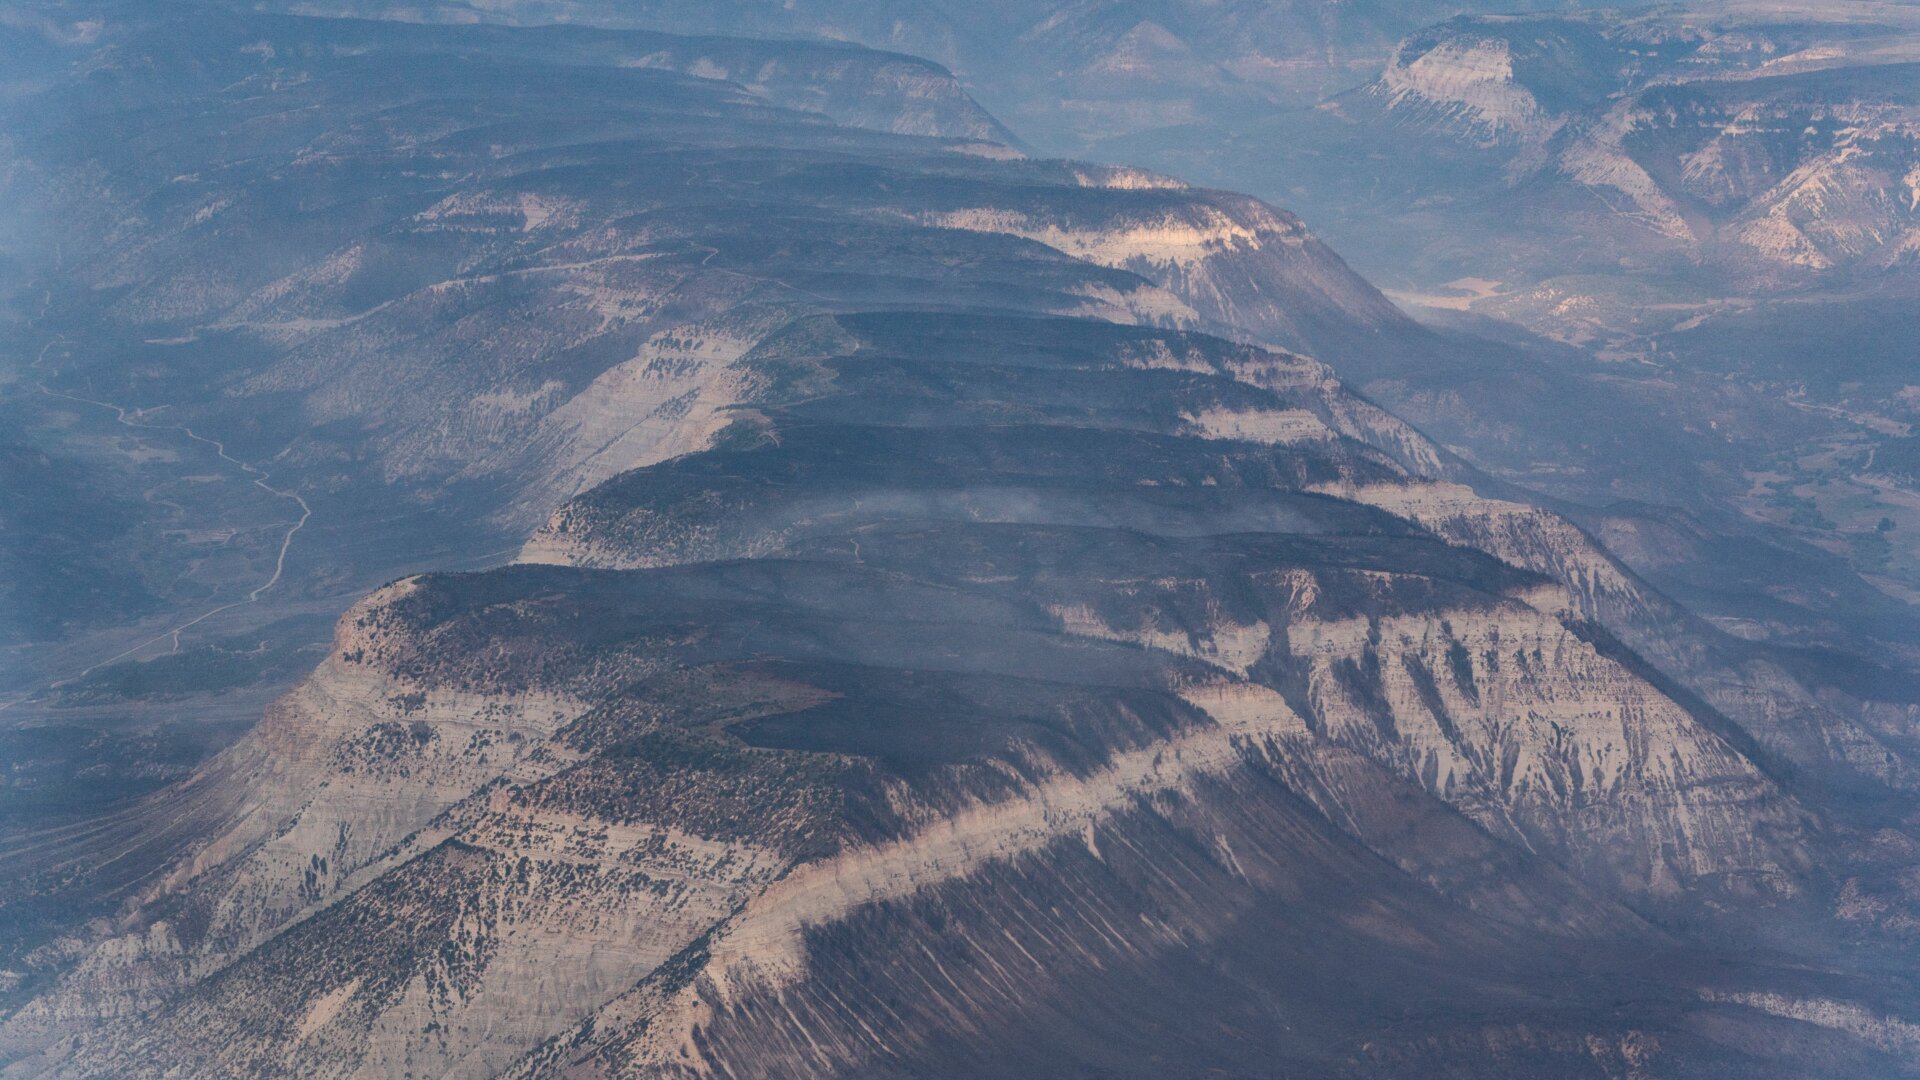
1775	149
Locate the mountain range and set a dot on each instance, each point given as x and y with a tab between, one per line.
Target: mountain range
637	550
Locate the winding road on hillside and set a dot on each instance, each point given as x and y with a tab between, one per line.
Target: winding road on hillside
130	416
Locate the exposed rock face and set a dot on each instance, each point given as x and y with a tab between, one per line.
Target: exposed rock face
559	292
1107	65
1241	265
917	680
348	764
1465	81
943	631
1770	144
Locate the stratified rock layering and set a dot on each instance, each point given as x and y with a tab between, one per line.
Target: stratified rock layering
989	685
943	660
529	261
1778	143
